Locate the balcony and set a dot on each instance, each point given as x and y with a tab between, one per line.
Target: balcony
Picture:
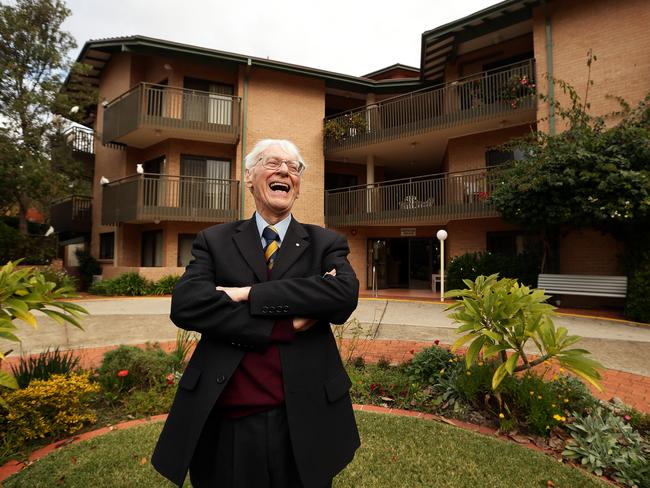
154	198
81	139
506	91
425	200
72	214
149	113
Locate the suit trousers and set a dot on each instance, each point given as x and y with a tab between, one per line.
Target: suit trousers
246	452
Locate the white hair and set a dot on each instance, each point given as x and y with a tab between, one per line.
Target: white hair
289	147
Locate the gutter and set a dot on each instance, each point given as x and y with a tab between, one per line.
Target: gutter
244	123
549	69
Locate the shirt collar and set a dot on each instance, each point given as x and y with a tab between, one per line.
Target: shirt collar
281	226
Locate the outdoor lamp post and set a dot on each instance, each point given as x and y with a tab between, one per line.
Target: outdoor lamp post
442	235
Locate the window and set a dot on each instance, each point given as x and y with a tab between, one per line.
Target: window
213	107
337	180
106	245
507	243
496	157
204	183
152	248
185	249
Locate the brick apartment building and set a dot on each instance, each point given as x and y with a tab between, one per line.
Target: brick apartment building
393	156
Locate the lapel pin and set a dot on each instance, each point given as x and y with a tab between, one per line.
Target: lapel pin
297	244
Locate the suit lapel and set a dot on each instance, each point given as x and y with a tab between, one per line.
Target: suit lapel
248	241
296	242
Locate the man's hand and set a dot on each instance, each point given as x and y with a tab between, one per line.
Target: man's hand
301	324
236	293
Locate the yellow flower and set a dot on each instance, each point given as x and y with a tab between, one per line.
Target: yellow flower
548	427
532	393
480	363
566	400
553	405
469	373
501	416
539	397
561	370
442	370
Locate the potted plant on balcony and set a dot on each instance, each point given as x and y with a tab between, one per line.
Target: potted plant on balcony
517	88
342	127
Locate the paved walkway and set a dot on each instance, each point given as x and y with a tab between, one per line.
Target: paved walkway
619	345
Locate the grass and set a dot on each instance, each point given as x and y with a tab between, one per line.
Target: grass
397	452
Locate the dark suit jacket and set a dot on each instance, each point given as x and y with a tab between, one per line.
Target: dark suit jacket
321	421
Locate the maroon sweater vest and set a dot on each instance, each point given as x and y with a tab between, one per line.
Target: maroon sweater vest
256	385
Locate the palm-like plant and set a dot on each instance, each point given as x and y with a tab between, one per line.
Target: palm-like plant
23	290
498	317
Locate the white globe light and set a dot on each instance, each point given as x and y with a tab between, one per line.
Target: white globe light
441	235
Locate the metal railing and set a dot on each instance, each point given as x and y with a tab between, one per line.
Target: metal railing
154	197
71	214
80	139
430	199
165	107
477	97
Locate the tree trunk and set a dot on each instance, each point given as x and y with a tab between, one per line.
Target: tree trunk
23	208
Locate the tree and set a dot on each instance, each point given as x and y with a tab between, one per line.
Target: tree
33	58
590	175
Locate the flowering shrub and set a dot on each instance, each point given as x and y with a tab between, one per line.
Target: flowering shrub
518	88
128	367
425	366
52	408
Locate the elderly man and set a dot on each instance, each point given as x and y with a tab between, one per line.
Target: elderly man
264	400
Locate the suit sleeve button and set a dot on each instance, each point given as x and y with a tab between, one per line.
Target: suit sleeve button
221	379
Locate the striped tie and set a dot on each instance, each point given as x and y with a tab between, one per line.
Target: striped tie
272	245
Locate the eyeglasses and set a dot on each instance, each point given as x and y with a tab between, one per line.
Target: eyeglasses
295	168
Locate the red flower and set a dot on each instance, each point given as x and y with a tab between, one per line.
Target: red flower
170	378
412	351
436	342
123	373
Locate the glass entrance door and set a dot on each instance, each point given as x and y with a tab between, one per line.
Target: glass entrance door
422	260
402	262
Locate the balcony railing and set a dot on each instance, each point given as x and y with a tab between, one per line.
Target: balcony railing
165	108
72	214
80	139
154	197
431	199
471	99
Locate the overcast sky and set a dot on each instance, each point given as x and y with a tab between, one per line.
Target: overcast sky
348	36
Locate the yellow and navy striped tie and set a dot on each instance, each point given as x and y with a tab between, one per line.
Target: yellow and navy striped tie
272	245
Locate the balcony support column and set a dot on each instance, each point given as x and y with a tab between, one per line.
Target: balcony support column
370	180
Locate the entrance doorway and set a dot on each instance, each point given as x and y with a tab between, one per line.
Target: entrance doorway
402	262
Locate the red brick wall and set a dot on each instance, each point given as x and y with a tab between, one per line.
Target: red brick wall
588	251
619	36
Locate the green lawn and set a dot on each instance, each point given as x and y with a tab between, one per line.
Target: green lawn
396	452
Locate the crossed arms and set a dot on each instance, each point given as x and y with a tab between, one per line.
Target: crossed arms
242	314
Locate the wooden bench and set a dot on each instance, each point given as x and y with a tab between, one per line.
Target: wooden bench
588	285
